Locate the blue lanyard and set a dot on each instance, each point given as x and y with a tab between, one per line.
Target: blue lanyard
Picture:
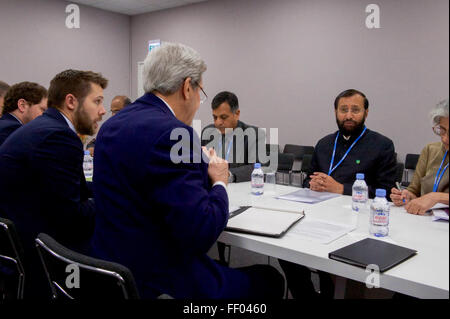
439	174
228	150
331	170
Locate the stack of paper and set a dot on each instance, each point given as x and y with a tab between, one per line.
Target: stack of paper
320	231
305	195
440	214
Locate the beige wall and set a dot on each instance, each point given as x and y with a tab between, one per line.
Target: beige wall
288	59
36	45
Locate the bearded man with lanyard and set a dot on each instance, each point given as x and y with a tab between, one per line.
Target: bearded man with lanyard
337	159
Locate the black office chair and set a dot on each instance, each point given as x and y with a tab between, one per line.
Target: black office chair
285	162
299	152
400	168
410	164
75	276
12	271
272	148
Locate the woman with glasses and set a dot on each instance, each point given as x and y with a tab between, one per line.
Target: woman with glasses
430	182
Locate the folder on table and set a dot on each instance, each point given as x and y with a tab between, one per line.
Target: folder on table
370	251
261	221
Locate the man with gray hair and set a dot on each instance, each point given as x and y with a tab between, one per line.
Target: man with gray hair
162	207
3	89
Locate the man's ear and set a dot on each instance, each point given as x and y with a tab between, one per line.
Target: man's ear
71	102
187	88
237	113
22	105
366	112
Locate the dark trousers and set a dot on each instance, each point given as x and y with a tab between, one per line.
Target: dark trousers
254	282
299	282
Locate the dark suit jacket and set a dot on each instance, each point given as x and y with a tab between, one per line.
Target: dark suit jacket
373	155
42	187
243	154
8	124
154	216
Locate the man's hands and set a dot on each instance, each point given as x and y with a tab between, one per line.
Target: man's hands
218	167
321	182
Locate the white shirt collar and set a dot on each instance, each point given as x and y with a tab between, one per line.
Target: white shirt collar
69	123
16	118
167	105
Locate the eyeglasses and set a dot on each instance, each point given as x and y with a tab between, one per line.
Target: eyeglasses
440	131
353	110
202	99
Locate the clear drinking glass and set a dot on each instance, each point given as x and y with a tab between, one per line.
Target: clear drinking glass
270	184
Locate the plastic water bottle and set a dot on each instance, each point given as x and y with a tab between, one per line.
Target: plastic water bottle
88	165
379	215
257	180
360	194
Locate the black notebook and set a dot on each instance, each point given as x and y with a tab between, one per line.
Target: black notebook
261	221
372	252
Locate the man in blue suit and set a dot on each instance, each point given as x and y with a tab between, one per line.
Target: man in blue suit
23	103
160	204
42	185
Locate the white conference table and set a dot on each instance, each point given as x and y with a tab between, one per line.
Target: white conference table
425	275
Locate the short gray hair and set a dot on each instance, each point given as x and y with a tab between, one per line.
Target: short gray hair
439	111
167	66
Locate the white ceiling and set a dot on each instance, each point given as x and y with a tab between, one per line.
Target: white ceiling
133	7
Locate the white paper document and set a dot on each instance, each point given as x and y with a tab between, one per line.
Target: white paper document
320	231
263	221
305	195
439	206
440	214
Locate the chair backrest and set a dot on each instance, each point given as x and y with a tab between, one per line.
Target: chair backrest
274	148
76	276
400	168
306	164
411	161
298	150
11	253
285	162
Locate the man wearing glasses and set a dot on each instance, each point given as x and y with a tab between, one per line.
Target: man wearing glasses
353	149
162	207
337	159
117	103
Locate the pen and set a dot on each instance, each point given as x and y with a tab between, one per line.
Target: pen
400	189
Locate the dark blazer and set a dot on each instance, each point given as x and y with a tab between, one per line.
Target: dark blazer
240	156
43	189
157	217
373	155
8	124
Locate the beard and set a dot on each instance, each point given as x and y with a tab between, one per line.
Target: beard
358	126
83	124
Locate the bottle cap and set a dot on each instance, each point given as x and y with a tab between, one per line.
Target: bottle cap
359	176
86	152
380	192
257	165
